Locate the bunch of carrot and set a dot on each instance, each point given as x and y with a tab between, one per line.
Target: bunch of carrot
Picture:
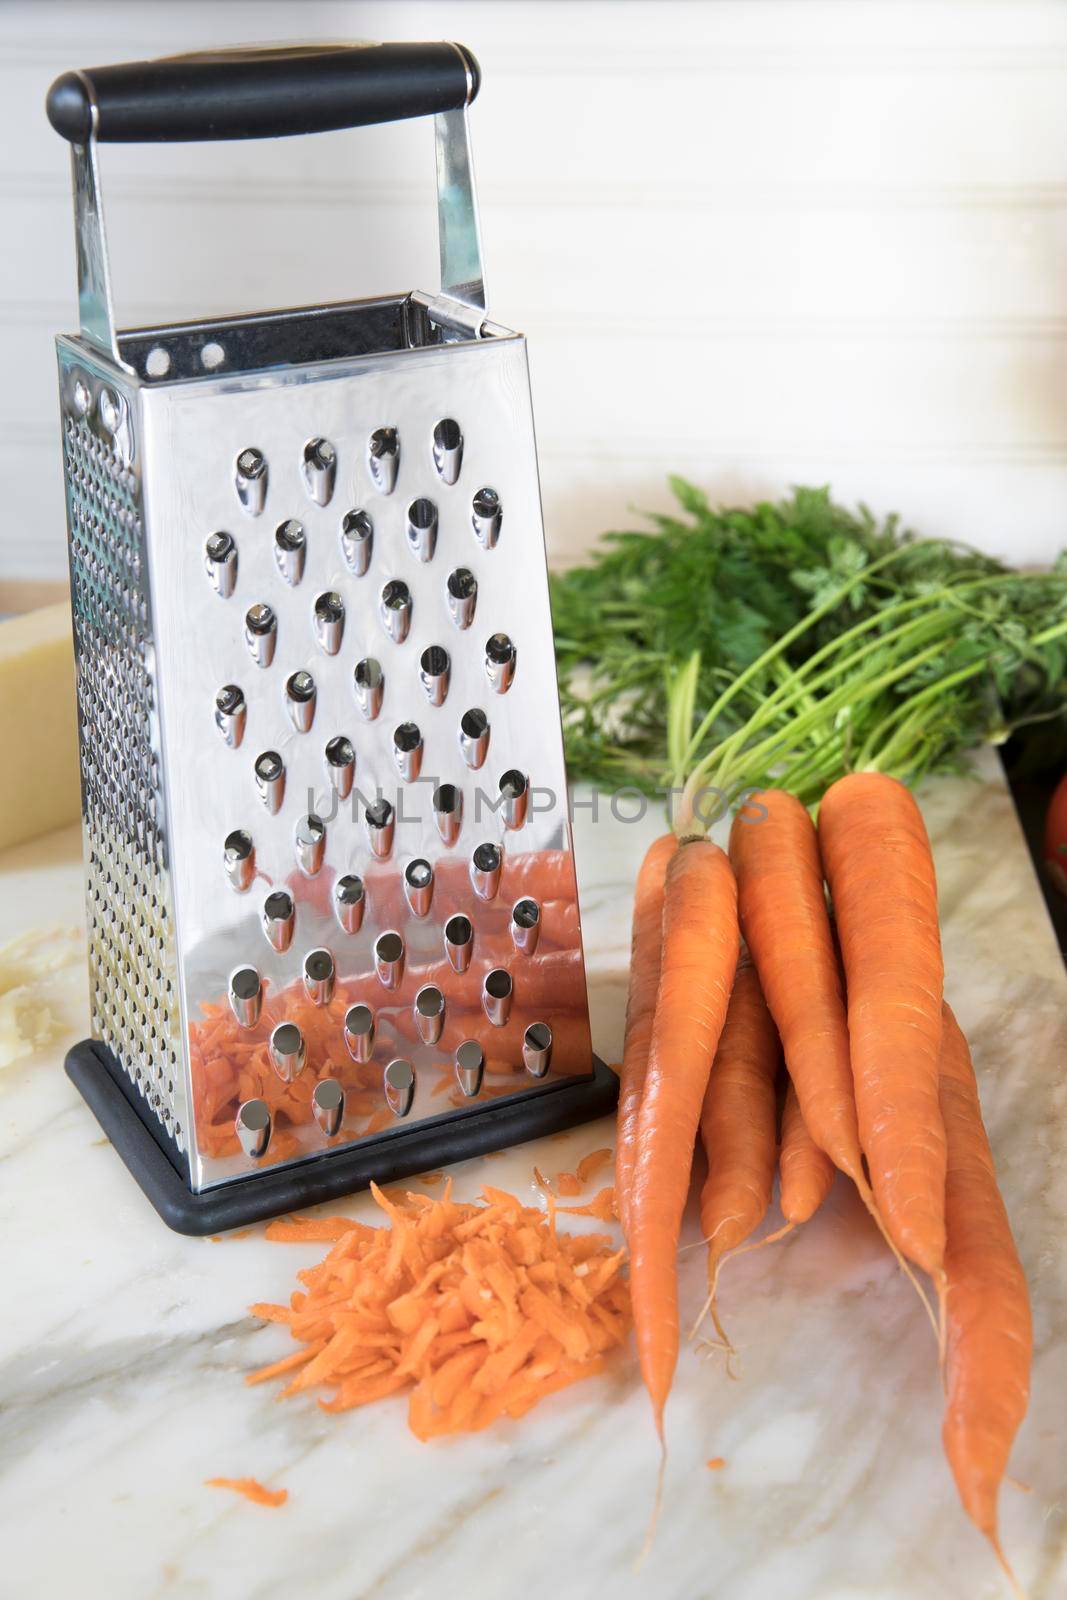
879	1085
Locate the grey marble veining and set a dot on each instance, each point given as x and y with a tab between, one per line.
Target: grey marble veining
122	1348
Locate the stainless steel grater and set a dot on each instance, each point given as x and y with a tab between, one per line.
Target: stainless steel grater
333	920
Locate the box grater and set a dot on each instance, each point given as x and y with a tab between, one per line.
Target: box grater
333	920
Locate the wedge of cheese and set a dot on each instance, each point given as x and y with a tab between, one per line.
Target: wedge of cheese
39	784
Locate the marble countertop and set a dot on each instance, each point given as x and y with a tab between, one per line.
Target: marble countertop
122	1346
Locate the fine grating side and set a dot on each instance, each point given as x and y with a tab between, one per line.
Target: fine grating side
132	959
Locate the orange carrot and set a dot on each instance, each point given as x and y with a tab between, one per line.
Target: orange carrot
737	1122
989	1335
700	951
881	875
806	1172
645	945
782	907
251	1489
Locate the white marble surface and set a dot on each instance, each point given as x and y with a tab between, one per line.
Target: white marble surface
122	1348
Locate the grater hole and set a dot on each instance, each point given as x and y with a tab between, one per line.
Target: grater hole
229	700
462	584
447	434
429	1002
319	966
349	890
538	1036
278	906
379	814
260	619
220	547
513	785
212	355
238	844
407	737
422	513
290	550
447	799
459	930
498	983
500	649
329	607
419	874
269	766
434	661
157	362
487	857
339	752
245	983
526	913
320	454
301	687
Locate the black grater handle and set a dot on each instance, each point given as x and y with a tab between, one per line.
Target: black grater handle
261	93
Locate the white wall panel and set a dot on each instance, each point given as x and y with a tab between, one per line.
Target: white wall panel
756	241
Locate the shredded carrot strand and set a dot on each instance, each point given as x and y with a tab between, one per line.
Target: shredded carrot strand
252	1490
479	1310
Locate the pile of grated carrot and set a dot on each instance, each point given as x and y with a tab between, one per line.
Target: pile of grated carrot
480	1309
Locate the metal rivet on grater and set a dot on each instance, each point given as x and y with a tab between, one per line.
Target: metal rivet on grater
389	959
359	1033
246	996
474	737
407	751
447	449
398	1080
239	858
341	765
500	662
486	863
470	1065
525	926
435	671
261	634
288	1051
231	714
252	1126
368	680
515	793
486	515
448	811
250	480
429	1013
220	562
109	409
320	469
394	608
279	919
379	818
537	1049
310	841
350	900
328	1106
383	458
290	550
357	541
422	529
329	621
300	700
459	942
270	780
496	996
319	975
462	587
418	886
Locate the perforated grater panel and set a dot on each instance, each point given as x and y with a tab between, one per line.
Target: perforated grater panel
412	752
129	914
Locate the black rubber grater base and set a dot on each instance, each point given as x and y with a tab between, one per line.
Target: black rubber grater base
275	1191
